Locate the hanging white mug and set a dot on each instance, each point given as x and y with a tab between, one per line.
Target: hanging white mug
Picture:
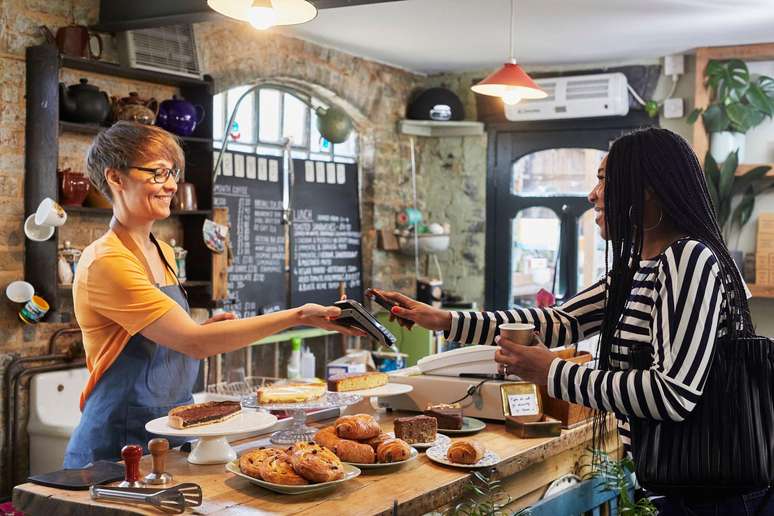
49	213
36	232
19	291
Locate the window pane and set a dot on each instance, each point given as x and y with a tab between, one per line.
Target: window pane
316	142
269	116
556	171
534	254
591	251
243	130
294	120
268	151
218	116
348	148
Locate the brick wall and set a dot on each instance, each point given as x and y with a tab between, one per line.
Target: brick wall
374	95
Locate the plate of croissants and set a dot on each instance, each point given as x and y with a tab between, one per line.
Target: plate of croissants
302	468
358	440
463	454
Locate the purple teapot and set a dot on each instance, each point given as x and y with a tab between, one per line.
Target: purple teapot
179	116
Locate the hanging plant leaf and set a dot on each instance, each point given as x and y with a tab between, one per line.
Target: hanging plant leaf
727	175
715	119
752	176
759	99
735	79
744	210
743	116
694	115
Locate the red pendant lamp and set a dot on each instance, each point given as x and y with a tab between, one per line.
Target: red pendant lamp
510	82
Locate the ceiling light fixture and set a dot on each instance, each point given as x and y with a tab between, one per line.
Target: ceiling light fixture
510	82
263	14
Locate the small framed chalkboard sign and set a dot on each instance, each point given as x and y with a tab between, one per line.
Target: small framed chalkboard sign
326	236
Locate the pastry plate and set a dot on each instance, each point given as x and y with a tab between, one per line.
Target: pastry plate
390	389
244	422
440	439
470	425
350	472
379	465
438	454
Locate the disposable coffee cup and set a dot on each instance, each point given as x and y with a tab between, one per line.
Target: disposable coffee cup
37	232
520	333
49	213
19	291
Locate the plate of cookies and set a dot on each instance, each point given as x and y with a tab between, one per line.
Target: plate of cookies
463	454
302	468
358	440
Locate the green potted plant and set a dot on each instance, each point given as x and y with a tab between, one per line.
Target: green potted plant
723	185
739	102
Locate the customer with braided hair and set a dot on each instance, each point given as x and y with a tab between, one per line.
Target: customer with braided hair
672	288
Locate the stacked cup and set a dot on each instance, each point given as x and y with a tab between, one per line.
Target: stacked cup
40	225
35	307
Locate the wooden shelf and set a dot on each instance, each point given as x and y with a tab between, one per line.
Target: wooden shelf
116	70
434	128
745	168
109	211
761	292
74	127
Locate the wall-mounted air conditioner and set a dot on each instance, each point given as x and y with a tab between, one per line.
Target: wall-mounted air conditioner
579	96
170	49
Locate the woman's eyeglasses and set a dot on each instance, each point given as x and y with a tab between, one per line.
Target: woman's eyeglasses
161	174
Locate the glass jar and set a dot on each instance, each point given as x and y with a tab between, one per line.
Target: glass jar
180	255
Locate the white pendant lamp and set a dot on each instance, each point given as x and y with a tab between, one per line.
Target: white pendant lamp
510	82
263	14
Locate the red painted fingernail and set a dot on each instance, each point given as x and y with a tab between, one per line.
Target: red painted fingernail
395	310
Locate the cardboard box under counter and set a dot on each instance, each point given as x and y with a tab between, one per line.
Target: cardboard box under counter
545	427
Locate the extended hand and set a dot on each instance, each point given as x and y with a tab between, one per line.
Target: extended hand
322	317
530	363
410	311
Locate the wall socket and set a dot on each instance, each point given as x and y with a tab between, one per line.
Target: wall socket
673	108
674	64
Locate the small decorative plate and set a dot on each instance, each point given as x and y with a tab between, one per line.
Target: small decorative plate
379	465
350	472
438	454
440	439
470	425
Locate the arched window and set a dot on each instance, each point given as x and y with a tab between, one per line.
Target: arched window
267	116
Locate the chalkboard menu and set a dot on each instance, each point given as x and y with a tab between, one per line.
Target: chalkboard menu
251	188
325	232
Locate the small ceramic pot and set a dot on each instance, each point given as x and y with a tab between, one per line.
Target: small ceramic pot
73	187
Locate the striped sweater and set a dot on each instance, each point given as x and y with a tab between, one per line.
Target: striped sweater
676	306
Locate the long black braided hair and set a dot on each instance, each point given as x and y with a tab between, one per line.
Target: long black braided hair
662	161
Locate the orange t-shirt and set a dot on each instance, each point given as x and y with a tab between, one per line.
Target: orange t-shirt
114	299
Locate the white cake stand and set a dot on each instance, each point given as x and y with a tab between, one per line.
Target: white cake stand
371	397
298	431
212	446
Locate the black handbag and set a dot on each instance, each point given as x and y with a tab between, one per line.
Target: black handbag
726	445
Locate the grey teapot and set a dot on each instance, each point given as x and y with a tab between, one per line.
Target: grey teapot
83	103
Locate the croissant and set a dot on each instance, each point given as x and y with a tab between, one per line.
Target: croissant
346	450
393	450
374	442
279	470
315	463
358	427
465	452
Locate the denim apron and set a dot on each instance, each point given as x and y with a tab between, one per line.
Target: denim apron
144	383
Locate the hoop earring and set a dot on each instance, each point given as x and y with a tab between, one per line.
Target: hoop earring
660	219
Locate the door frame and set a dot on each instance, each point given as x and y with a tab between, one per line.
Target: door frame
502	137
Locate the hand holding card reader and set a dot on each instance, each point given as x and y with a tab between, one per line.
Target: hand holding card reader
353	314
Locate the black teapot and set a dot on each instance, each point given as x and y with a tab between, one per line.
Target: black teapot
83	103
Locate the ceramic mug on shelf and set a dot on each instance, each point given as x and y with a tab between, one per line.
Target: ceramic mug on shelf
37	232
34	310
185	197
520	333
49	213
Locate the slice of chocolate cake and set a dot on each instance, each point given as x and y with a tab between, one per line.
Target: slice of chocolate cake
449	416
417	429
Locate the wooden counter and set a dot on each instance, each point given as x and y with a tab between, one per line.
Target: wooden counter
420	486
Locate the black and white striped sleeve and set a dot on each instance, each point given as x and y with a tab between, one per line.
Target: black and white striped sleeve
683	333
578	318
